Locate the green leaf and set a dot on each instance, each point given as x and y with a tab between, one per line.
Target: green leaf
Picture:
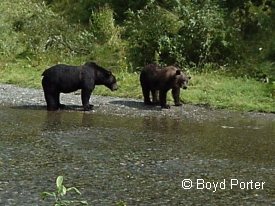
79	202
76	190
62	190
83	202
64	202
45	194
59	181
120	203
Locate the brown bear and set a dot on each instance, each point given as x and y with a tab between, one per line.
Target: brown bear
63	78
154	79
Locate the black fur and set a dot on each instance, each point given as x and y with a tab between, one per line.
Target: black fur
63	78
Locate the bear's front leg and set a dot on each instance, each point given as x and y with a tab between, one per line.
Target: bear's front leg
62	106
176	96
85	97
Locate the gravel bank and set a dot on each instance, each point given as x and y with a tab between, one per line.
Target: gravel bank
11	95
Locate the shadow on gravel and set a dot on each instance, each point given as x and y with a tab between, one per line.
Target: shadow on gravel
135	104
40	107
29	107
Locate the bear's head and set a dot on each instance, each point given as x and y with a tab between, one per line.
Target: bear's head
103	76
181	80
110	81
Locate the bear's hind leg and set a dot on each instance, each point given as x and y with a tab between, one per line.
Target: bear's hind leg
146	95
162	99
155	97
57	101
52	105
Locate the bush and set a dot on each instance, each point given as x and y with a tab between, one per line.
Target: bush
203	38
254	21
108	45
35	29
146	30
194	34
189	35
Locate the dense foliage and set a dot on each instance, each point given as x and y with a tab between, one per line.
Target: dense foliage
230	36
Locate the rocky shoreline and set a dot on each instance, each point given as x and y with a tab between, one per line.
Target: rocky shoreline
12	95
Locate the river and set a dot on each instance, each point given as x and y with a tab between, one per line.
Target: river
215	159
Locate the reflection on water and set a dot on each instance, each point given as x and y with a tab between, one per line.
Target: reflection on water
141	161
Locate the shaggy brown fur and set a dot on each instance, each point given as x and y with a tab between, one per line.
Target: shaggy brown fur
154	78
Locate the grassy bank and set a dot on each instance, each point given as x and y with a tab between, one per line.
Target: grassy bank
34	37
214	90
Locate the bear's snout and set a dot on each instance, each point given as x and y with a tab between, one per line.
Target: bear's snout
114	87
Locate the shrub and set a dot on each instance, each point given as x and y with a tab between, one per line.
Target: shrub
150	34
191	34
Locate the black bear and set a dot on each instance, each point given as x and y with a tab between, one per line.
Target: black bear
154	79
63	78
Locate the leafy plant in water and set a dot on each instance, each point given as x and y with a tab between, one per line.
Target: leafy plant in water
61	190
120	203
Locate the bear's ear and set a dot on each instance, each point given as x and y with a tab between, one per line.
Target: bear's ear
178	72
91	64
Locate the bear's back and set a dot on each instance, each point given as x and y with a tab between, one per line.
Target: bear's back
59	69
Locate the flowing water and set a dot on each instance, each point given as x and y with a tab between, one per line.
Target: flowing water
137	160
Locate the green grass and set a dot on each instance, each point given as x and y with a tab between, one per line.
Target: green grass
214	90
225	92
23	59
